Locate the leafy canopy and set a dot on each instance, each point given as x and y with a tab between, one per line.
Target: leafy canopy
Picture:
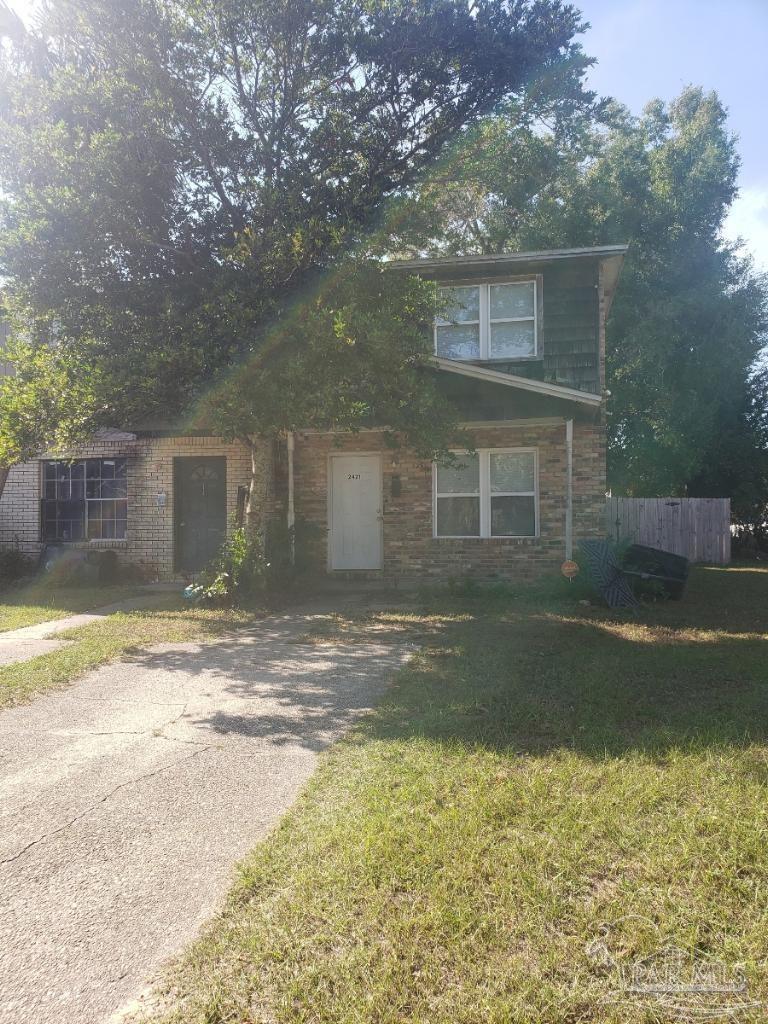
178	176
688	406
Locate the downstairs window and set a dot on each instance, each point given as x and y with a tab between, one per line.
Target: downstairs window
492	493
85	500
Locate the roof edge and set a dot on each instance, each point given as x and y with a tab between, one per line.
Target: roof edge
521	383
539	255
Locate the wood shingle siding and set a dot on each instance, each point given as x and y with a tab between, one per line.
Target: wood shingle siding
482	401
569	340
570	328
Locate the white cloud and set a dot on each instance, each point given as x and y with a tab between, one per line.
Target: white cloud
748	220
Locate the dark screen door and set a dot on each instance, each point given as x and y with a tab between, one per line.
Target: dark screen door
200	509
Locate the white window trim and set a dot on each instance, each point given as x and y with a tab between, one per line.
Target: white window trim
484	494
485	318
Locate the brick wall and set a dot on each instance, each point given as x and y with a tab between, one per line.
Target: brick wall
150	471
410	550
20	508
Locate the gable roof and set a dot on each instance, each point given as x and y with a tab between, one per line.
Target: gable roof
511	380
611	257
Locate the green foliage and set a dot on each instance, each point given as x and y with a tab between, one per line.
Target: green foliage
650	591
238	576
14	565
46	403
688	410
352	353
179	179
255	567
291	551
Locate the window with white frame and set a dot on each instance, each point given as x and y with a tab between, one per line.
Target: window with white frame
491	493
487	321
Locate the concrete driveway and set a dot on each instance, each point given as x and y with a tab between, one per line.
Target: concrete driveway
126	799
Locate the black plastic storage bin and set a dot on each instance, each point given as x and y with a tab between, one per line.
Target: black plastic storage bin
652	564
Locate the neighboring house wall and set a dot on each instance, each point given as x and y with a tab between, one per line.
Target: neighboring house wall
150	540
411	550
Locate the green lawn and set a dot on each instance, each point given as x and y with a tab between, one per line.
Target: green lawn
111	637
40	602
541	776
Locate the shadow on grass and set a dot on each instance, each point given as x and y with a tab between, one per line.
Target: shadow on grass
521	671
552	676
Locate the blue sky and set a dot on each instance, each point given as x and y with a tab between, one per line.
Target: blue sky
652	48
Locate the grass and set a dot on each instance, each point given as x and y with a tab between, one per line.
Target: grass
548	790
39	602
112	637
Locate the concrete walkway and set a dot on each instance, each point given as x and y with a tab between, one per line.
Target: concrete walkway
126	799
28	642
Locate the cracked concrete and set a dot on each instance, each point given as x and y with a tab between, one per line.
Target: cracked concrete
125	801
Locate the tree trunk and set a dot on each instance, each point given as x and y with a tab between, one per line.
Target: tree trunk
260	487
4	471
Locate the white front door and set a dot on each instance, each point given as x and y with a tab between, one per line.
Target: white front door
355	507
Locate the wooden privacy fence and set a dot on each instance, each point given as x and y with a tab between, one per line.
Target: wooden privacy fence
699	528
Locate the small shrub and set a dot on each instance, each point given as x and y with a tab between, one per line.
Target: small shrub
65	567
79	567
463	586
108	567
239	574
309	539
130	572
291	553
14	564
750	543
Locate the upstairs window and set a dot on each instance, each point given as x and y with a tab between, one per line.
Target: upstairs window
85	500
492	493
487	321
458	336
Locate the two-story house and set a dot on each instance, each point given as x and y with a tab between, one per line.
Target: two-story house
520	349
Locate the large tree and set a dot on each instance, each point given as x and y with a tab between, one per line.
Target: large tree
687	406
179	176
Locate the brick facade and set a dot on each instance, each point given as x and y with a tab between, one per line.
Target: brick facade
411	551
149	544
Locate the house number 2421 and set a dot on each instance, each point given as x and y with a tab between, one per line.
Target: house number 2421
353	476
